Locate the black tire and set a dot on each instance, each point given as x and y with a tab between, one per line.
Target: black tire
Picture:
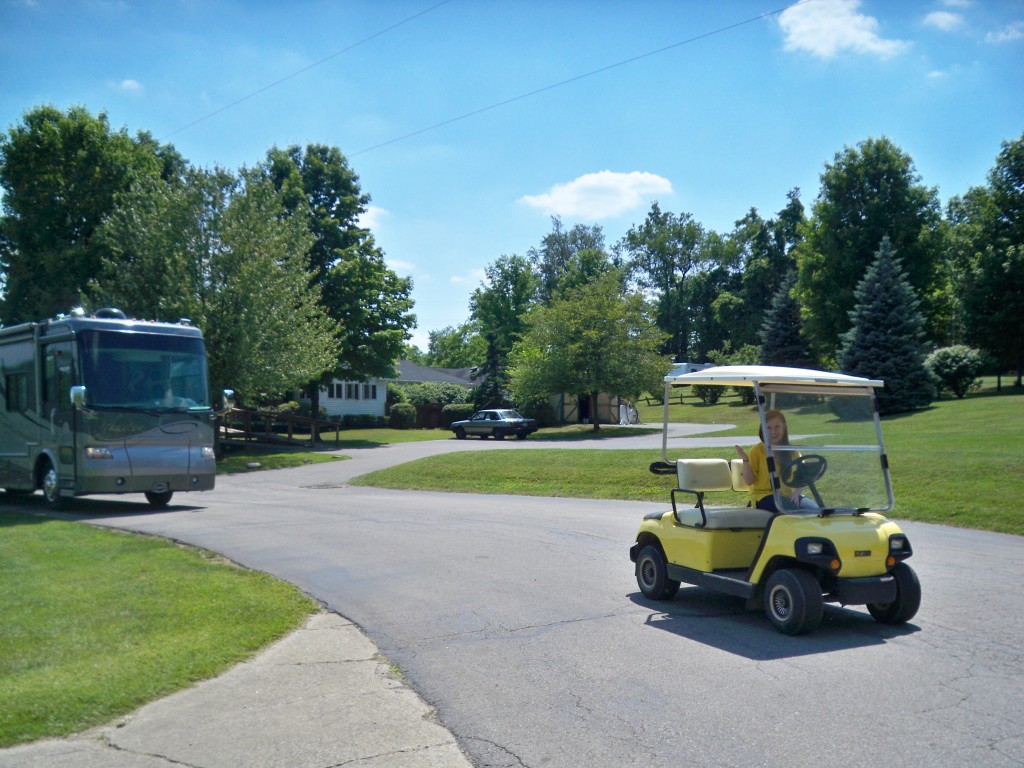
793	601
908	598
652	575
499	434
460	433
51	487
159	500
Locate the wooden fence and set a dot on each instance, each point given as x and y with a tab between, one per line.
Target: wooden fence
246	424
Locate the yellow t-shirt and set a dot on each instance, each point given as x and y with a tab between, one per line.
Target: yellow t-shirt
762	485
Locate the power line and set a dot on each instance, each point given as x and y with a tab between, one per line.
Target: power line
577	78
305	69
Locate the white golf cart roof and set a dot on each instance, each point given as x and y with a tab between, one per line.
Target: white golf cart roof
747	375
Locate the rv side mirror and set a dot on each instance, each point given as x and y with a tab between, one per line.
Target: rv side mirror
228	396
78	395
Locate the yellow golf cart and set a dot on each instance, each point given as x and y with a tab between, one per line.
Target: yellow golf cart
830	540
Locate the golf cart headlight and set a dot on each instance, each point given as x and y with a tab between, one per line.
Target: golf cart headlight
897	544
208	452
98	452
815	548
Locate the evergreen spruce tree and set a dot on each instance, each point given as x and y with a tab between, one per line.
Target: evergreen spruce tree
781	340
885	340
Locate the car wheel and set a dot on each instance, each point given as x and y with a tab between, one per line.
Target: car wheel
499	434
793	601
51	487
460	433
652	575
159	500
908	598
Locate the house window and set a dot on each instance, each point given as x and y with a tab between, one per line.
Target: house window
352	391
369	391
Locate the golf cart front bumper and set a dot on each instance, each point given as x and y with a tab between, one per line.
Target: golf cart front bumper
869	590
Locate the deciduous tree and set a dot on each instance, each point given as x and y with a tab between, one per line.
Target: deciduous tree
500	307
597	338
217	249
868	192
62	173
369	303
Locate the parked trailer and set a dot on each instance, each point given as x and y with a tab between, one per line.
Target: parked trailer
103	404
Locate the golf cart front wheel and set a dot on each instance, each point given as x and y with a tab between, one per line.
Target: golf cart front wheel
908	598
793	601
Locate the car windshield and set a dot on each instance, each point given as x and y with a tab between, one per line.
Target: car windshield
840	426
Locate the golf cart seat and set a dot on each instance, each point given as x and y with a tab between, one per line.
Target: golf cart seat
699	476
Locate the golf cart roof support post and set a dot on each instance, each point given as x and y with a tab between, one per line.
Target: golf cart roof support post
664	425
774	471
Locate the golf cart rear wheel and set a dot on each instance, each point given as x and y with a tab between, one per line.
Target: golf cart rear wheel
652	575
908	598
793	601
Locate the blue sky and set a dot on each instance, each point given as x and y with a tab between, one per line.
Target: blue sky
472	122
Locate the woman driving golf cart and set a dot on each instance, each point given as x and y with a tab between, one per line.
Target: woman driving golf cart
755	467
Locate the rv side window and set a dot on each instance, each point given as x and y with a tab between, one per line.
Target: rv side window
16	385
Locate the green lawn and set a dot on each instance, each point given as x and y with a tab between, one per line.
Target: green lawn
96	622
959	462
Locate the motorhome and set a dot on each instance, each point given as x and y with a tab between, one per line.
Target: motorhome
102	404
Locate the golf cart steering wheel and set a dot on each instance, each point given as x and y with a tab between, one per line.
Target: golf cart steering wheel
804	470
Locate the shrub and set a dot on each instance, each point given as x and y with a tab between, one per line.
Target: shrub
456	412
956	368
363	421
708	393
403	416
396	394
429	392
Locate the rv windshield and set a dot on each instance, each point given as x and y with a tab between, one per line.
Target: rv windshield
143	370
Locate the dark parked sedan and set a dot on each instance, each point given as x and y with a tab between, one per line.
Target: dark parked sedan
497	422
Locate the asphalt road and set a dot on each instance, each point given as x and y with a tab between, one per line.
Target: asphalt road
519	619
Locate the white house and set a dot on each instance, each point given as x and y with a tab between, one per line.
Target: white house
349	398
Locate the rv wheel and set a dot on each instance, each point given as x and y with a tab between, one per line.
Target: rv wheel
51	487
159	500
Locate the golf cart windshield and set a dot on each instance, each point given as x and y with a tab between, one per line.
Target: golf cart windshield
834	455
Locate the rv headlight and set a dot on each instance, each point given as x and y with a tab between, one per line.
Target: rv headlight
98	452
208	452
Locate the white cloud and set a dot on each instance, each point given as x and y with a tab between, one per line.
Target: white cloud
1007	34
601	195
475	276
372	217
131	86
399	266
826	28
943	20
